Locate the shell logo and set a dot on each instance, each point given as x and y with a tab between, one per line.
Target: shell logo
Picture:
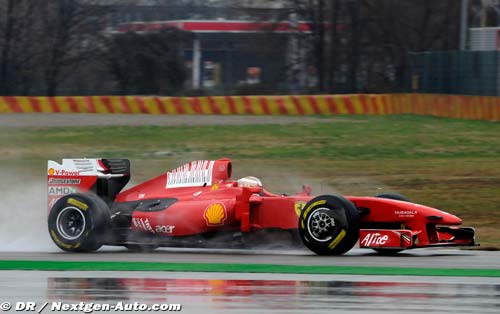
51	171
215	214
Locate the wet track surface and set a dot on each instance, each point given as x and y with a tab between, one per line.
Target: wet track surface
199	292
258	293
437	258
35	120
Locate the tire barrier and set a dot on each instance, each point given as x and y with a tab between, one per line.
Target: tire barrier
453	106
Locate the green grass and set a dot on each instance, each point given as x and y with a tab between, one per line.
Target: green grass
238	268
450	164
346	138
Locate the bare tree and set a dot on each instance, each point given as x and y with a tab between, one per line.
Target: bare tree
358	45
18	51
147	63
7	39
396	28
72	36
42	42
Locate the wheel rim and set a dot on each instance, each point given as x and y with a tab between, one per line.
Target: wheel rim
70	223
321	224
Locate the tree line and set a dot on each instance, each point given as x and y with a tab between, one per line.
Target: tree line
365	45
60	47
65	47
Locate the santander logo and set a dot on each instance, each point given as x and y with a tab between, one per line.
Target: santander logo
374	239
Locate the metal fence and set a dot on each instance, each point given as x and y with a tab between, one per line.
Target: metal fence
456	72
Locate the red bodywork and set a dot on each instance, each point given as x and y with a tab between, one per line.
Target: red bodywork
221	205
200	198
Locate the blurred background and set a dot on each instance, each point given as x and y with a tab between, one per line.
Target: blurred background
241	47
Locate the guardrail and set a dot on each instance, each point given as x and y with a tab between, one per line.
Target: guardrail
453	106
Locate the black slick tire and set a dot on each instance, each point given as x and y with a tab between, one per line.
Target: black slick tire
329	225
77	222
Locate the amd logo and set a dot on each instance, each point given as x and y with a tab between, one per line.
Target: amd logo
61	190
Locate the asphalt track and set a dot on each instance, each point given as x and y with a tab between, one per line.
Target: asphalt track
419	258
251	291
255	293
42	120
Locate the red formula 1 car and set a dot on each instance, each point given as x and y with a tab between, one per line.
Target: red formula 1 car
192	204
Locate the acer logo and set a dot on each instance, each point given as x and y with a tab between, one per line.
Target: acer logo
165	229
374	239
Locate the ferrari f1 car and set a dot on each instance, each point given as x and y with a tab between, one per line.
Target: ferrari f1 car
188	205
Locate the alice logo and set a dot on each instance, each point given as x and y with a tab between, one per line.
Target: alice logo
215	214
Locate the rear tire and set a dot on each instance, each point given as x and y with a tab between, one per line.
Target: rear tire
77	222
329	225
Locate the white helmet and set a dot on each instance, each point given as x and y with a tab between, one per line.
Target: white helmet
249	182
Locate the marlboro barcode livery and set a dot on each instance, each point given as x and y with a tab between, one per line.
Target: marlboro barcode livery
188	205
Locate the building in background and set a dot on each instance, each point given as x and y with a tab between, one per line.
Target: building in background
483	57
227	53
233	40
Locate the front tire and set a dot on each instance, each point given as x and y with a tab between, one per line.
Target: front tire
77	222
329	225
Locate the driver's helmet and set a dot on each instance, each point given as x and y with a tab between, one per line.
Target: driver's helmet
249	182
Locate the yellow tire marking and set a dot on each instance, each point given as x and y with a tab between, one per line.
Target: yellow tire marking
78	204
337	240
308	209
62	244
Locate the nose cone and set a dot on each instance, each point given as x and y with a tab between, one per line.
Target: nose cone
440	217
436	216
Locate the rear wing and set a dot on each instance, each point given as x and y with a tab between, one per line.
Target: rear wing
104	177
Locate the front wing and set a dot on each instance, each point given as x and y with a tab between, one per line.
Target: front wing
407	239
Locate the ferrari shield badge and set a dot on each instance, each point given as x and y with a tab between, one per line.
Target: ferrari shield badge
298	207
